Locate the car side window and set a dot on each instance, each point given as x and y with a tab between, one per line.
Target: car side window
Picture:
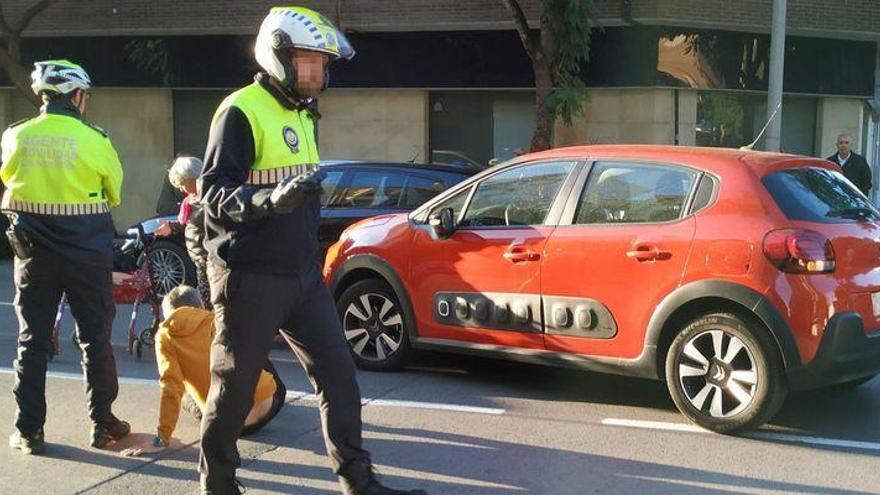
372	189
519	196
418	190
619	193
328	186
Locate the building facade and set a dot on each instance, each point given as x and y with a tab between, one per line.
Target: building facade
435	81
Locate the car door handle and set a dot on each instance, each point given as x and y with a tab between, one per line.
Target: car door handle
648	252
520	255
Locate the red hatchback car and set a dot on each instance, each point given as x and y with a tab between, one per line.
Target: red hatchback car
734	276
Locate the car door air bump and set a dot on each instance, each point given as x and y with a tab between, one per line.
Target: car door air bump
566	316
578	317
495	311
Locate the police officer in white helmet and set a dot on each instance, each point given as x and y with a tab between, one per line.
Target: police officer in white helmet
261	195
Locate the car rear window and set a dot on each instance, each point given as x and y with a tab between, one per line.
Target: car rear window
818	195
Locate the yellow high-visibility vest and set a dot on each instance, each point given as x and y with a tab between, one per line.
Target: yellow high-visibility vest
284	139
59	165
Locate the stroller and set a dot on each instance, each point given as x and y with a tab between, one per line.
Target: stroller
136	288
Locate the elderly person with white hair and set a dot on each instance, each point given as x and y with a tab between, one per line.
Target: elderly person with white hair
182	175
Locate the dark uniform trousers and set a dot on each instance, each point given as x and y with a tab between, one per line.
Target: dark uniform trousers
249	310
41	276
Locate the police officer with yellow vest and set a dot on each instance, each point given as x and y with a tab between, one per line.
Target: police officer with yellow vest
62	176
261	194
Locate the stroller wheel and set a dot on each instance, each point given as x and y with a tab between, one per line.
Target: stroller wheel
147	337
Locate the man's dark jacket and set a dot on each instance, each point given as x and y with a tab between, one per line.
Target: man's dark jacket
856	169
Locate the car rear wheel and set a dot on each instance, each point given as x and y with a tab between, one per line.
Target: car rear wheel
725	374
171	266
374	325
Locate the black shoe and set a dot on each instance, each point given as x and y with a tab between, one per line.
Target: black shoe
359	478
235	489
107	432
30	445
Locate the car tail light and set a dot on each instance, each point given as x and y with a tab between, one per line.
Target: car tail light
799	251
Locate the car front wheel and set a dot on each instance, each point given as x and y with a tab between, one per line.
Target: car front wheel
374	325
725	374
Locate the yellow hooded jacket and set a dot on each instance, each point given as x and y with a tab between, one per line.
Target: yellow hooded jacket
183	353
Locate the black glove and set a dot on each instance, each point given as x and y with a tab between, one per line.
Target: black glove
292	192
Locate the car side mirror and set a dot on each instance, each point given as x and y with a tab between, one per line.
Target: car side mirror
442	223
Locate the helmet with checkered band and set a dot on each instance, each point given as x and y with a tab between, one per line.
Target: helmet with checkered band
59	77
297	27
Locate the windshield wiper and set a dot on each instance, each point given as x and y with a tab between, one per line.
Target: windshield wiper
857	213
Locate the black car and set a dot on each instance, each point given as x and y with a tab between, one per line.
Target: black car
352	191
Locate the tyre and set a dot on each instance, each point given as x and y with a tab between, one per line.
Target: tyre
374	325
171	266
724	373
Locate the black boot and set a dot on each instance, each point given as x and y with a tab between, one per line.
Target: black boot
108	431
358	478
236	488
30	445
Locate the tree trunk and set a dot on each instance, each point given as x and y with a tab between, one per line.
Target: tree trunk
10	55
544	118
19	76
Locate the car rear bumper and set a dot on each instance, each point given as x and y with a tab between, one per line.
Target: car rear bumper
846	353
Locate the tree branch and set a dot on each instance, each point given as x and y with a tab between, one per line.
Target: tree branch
522	27
5	30
32	12
19	77
339	7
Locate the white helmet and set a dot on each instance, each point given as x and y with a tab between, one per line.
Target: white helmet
296	27
59	76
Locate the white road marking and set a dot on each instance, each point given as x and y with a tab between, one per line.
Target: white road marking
6	304
294	395
435	405
757	435
653	425
823	442
79	377
297	395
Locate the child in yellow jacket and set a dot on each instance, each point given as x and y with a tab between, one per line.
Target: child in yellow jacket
183	354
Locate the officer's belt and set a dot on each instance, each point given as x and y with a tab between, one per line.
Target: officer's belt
53	208
272	176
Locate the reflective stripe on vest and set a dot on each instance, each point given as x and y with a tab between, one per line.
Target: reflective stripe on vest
52	208
273	176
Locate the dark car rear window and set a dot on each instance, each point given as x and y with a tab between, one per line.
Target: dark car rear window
818	195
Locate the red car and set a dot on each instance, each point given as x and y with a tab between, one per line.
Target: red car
734	276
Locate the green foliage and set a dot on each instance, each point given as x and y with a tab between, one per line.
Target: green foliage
151	56
565	29
568	99
720	108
